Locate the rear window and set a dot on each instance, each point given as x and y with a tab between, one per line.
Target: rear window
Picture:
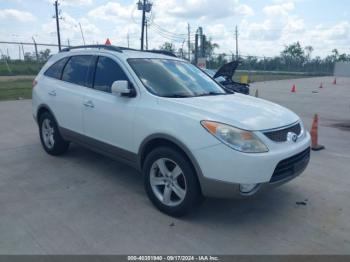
55	71
77	70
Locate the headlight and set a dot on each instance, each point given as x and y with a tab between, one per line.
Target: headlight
302	129
236	138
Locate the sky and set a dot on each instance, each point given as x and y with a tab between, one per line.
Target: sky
264	27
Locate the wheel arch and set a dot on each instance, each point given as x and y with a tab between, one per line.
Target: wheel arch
42	109
157	140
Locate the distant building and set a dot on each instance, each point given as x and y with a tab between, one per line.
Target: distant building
342	69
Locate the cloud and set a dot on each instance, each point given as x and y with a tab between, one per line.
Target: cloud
279	9
195	9
244	10
17	15
112	12
294	25
73	2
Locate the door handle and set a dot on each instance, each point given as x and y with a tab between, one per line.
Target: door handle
52	93
89	104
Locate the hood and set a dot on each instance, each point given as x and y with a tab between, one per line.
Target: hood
227	70
238	110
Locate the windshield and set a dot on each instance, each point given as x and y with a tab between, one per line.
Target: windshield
172	78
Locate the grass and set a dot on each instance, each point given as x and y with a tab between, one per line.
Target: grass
20	68
15	89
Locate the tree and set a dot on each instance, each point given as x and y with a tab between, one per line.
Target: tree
209	48
309	49
29	56
167	47
294	53
44	55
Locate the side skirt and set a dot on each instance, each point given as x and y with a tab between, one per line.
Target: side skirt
114	152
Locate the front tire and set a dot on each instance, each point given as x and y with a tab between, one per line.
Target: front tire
170	181
50	138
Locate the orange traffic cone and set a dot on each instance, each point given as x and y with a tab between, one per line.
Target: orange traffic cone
314	135
335	81
257	93
108	42
321	85
294	89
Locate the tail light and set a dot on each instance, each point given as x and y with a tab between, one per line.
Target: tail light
34	83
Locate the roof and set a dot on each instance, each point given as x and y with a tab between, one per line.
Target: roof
123	51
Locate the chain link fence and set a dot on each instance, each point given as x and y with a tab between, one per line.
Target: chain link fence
28	58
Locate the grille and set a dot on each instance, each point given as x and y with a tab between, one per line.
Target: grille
281	134
291	166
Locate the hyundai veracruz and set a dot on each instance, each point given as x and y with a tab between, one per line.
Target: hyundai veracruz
188	136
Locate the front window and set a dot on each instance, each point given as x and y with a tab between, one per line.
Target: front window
173	78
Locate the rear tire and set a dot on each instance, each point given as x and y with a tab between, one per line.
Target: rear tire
50	137
170	181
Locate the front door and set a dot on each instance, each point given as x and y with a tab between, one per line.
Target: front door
108	118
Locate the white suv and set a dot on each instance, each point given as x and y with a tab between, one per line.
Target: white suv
188	135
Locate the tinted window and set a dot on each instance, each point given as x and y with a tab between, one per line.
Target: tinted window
107	71
77	70
55	70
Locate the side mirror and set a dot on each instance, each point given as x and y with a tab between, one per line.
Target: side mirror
121	88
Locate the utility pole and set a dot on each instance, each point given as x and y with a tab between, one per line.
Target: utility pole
36	50
203	47
57	25
146	35
82	34
189	41
22	50
236	33
143	22
196	48
146	7
128	39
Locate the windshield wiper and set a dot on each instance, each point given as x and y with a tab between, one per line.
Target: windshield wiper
211	94
177	96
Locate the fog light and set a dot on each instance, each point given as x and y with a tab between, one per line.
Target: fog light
247	188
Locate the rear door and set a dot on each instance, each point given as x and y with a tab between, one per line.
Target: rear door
108	118
51	82
75	80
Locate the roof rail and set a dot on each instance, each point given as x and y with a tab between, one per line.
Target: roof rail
117	49
107	47
163	52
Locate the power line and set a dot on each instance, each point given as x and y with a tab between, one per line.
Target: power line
177	40
82	34
168	34
166	31
28	43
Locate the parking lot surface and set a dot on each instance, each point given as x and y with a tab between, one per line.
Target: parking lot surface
85	203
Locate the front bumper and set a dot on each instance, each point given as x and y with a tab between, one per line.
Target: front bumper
224	169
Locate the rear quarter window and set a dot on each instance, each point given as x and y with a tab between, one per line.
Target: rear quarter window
55	71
